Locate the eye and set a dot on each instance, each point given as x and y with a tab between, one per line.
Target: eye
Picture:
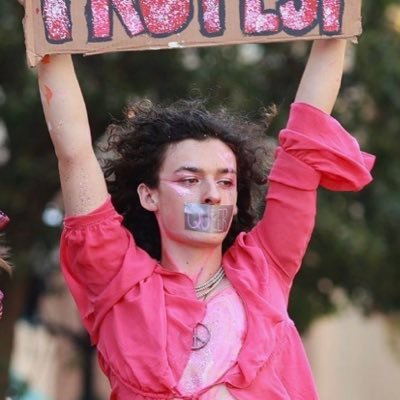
189	181
226	183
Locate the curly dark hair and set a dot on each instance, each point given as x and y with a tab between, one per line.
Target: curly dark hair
138	145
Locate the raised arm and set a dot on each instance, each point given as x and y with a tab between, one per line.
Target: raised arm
322	76
305	147
82	181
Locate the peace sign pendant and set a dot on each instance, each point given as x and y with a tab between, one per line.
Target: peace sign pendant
201	337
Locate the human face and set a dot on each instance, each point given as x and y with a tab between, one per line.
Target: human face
194	172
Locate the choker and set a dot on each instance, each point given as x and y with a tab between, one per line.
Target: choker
205	288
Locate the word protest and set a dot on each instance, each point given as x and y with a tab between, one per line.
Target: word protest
99	26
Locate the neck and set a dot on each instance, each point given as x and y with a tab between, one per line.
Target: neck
198	263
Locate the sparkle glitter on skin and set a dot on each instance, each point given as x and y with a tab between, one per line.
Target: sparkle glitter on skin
201	263
226	322
84	193
180	191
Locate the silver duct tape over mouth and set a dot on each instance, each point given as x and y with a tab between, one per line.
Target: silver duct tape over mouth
207	218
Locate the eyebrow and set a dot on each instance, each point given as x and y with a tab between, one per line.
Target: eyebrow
200	170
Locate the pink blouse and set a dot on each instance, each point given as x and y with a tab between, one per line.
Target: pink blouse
226	320
141	317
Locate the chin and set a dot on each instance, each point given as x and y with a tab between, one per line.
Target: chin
203	239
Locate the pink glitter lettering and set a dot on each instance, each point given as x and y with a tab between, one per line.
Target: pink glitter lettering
99	15
332	16
212	17
299	17
256	21
56	16
166	17
162	18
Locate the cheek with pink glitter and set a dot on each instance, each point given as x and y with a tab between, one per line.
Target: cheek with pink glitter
177	188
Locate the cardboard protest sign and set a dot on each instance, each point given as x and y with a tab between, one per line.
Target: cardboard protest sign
99	26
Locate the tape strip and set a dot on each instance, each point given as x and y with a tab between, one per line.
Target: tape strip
207	218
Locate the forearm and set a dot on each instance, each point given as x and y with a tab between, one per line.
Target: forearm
322	76
82	180
64	107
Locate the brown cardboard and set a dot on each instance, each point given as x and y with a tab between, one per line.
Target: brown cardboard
100	26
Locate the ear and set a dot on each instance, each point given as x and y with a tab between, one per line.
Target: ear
148	197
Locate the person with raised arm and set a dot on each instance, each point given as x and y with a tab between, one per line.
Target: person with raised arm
181	282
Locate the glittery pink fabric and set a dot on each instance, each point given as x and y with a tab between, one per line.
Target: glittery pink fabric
226	320
141	316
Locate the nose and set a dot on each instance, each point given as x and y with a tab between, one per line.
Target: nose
211	194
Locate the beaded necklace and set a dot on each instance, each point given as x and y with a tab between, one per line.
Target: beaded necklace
205	288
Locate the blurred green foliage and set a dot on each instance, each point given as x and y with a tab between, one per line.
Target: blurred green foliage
356	245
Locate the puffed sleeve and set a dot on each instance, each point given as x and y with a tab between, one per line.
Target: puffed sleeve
319	141
314	150
100	262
